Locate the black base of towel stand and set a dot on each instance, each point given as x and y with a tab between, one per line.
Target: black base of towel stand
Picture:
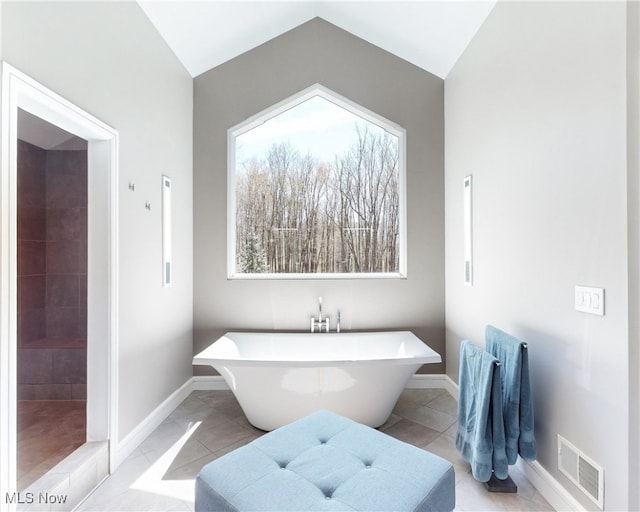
496	485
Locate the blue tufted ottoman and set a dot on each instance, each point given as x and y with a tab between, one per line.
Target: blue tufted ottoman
326	462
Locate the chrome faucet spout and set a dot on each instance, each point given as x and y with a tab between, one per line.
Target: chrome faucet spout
322	324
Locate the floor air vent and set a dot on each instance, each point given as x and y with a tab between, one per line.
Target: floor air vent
582	471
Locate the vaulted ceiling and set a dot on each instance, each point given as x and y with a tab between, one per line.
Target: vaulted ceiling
431	34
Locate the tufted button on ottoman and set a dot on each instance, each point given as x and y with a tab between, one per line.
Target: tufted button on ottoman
326	462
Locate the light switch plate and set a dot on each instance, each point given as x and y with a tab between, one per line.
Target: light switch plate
589	300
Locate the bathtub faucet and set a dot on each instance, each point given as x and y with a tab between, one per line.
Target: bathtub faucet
320	323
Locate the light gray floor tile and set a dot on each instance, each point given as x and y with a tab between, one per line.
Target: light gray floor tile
392	419
420	396
233	446
412	433
452	431
525	489
190	471
222	435
445	403
149	480
473	496
163	437
426	416
445	448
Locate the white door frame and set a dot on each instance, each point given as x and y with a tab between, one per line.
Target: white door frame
21	91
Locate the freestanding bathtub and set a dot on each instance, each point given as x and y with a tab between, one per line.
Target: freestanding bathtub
280	377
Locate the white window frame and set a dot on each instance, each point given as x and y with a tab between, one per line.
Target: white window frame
277	109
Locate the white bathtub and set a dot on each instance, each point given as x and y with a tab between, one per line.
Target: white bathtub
280	377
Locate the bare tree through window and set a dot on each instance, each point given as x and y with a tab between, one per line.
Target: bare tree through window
317	191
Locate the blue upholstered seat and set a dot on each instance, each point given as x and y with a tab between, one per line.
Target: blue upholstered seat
326	462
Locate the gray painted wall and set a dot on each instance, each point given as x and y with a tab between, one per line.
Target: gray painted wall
633	230
536	112
107	58
318	52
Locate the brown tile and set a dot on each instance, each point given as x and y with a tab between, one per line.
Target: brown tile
65	190
82	288
43	391
63	290
78	391
62	323
31	325
48	431
63	257
64	223
35	366
67	162
26	392
69	366
31	292
31	223
31	175
32	257
82	321
60	391
84	221
83	256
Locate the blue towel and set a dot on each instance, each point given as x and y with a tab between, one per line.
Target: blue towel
516	393
480	436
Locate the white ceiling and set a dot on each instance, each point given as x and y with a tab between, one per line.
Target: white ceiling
431	34
38	132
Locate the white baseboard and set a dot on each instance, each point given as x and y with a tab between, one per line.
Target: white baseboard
557	496
209	383
418	381
550	489
433	381
132	440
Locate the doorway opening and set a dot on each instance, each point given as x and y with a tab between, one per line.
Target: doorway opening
59	280
52	296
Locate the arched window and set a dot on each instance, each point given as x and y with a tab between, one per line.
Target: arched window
316	190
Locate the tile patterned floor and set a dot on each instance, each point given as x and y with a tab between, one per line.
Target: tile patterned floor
160	474
48	431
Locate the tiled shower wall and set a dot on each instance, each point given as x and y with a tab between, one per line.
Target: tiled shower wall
52	273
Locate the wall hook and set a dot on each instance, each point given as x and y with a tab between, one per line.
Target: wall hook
132	186
147	205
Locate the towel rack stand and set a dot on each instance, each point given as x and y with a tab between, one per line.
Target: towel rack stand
496	485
